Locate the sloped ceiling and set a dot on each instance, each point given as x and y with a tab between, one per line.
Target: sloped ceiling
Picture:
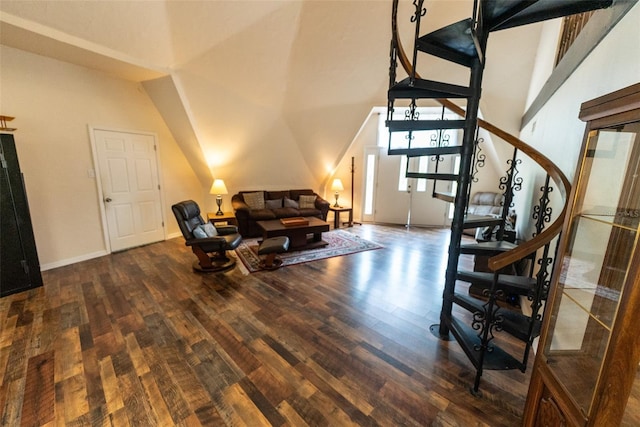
268	93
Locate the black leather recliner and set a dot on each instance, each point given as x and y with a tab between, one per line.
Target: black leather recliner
226	238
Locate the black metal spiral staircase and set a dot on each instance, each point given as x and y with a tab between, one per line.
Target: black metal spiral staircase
464	43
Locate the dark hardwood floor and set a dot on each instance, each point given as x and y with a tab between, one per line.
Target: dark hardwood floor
138	338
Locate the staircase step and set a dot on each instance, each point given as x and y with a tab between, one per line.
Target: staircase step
427	89
520	285
474	221
447	197
503	14
418	125
456	43
514	323
433	175
486	248
497	359
425	151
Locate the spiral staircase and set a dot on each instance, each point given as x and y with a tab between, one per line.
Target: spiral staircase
464	43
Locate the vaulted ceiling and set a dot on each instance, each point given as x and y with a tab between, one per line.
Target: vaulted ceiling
284	84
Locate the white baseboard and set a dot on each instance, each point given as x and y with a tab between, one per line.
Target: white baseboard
85	257
174	235
80	258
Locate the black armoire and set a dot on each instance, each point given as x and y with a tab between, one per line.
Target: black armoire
19	265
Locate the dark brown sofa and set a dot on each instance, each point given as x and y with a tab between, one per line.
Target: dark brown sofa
278	204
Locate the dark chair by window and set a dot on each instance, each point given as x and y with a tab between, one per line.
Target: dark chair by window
205	239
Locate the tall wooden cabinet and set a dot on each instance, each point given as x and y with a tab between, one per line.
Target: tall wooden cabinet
19	265
587	360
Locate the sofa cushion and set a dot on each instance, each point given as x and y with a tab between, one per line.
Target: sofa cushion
286	212
254	200
277	194
295	194
261	214
288	203
199	233
307	201
273	204
308	212
209	229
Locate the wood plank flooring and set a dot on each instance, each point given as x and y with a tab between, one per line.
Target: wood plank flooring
137	338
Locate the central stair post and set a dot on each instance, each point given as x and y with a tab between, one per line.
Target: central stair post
457	223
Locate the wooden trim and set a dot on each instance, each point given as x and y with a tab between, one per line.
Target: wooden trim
620	101
593	33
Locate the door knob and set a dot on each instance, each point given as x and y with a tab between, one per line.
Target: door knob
107	200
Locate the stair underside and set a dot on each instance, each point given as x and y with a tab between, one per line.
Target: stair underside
425	151
426	89
475	221
433	175
455	43
521	285
514	323
497	359
486	248
447	197
503	14
418	125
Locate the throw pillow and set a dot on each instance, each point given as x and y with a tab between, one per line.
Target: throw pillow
199	232
307	202
288	203
209	229
254	200
273	204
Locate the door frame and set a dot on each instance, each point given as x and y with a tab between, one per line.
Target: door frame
96	176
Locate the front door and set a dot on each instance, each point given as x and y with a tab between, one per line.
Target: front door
128	174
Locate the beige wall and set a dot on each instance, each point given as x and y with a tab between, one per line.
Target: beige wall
556	130
54	103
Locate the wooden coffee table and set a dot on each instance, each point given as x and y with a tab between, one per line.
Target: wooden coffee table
298	235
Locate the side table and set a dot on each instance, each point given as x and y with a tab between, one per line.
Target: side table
228	217
336	215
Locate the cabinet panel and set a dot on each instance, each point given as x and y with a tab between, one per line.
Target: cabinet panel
19	265
590	343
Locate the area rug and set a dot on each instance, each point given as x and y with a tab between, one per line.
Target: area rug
341	242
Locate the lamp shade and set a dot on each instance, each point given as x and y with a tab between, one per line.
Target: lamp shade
337	185
218	187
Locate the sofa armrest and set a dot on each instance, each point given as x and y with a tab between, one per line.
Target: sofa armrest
238	204
205	241
323	206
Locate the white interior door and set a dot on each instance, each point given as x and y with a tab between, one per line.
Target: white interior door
391	203
130	188
425	210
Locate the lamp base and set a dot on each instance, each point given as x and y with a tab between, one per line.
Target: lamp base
337	197
219	203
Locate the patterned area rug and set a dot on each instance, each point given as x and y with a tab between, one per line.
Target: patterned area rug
341	242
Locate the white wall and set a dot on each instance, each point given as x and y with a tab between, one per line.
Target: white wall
54	103
556	130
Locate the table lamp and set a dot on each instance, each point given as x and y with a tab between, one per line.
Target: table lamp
218	188
337	187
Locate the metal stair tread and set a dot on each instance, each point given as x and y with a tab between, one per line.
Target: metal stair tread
514	323
425	151
447	197
433	175
473	221
510	283
418	125
427	89
497	359
487	247
455	43
503	14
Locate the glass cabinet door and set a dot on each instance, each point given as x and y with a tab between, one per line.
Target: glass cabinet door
601	238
